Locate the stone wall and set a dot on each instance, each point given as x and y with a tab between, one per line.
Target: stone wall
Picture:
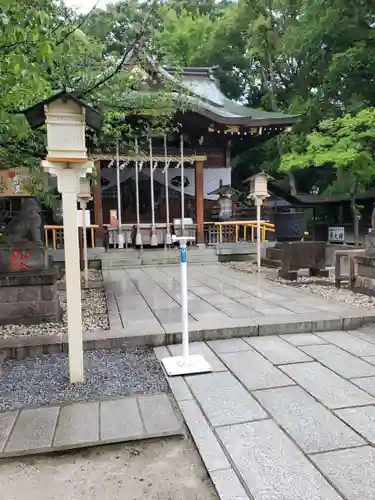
29	298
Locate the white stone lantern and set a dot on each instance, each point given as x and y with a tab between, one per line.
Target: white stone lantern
258	193
66	118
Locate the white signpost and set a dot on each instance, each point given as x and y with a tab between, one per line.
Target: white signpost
185	364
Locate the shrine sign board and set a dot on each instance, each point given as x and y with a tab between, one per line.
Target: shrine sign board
15	182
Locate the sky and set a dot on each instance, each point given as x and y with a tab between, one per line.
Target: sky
85	5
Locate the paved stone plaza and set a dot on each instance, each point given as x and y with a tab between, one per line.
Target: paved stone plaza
144	305
65	427
289	417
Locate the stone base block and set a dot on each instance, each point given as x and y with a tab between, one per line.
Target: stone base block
365	285
29	298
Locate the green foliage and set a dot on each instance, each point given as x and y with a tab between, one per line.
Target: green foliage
347	143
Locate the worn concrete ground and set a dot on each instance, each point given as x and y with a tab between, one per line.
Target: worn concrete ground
164	469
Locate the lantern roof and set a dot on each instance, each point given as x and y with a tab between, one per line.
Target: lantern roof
255	176
35	114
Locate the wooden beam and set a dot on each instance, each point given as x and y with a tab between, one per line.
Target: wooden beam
199	200
158	158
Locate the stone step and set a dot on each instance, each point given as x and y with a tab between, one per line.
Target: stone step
63	427
271	263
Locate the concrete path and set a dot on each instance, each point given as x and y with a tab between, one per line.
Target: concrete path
145	306
289	417
52	428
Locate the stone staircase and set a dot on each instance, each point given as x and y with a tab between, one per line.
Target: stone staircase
120	259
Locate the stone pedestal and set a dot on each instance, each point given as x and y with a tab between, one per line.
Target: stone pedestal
29	297
297	255
365	280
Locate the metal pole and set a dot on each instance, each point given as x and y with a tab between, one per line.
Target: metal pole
182	186
184	302
84	230
138	237
154	241
120	242
168	239
258	204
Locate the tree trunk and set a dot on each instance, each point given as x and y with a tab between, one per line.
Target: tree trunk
292	183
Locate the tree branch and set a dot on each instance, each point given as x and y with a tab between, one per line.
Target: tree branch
84	19
118	68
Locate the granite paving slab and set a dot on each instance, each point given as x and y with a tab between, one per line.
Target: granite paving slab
271	465
54	428
229	345
228	485
209	448
340	361
327	387
254	371
352	471
360	419
277	350
310	424
120	419
349	343
34	430
7	420
158	415
301	339
224	400
78	425
366	383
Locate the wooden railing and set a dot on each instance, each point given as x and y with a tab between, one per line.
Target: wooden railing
54	236
234	231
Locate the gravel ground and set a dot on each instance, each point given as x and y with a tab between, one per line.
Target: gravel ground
162	469
325	287
109	373
94	275
94	316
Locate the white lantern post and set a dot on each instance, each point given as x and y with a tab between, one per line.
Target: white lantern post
84	196
138	237
154	239
66	118
258	193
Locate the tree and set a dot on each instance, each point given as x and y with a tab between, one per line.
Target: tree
347	144
44	47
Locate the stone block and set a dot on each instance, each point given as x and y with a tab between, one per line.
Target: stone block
254	371
271	465
277	350
327	387
302	339
7	420
158	415
33	431
339	361
224	400
120	420
311	425
229	345
352	471
278	325
179	389
228	486
209	448
78	426
366	383
361	420
350	343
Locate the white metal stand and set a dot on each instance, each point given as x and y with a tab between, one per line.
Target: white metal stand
83	206
258	202
120	243
154	239
138	236
168	237
185	364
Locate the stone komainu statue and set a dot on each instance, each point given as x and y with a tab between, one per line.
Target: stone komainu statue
25	227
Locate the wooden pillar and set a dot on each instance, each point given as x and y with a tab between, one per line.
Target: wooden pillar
98	205
199	201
